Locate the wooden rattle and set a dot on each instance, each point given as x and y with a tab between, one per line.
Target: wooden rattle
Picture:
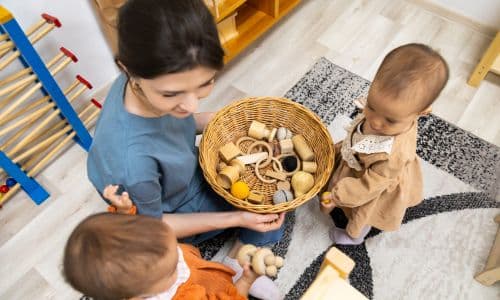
230	174
302	182
302	149
262	260
259	131
286	146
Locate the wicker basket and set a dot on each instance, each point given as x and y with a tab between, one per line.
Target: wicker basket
233	122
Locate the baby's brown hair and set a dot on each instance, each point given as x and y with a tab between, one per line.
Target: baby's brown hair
112	256
413	72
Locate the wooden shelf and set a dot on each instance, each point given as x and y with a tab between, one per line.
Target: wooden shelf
286	6
251	23
229	7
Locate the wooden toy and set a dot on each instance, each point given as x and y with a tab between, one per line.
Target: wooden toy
325	198
259	131
286	146
244	139
302	149
50	21
54	114
282	196
283	185
290	163
38	161
331	283
262	260
259	176
269	152
230	174
229	151
282	157
491	272
253	158
283	134
240	190
221	166
276	175
255	197
4	189
309	167
302	182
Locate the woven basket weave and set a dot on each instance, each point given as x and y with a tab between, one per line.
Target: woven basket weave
233	122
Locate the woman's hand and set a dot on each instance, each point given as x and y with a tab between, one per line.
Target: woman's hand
261	223
121	202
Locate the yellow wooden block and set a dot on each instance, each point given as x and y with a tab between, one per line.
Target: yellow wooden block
338	260
329	286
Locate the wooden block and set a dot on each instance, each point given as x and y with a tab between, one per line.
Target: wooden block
277	175
286	146
309	167
252	158
255	198
341	262
229	151
283	185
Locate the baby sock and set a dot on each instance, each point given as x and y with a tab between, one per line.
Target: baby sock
341	237
264	288
234	265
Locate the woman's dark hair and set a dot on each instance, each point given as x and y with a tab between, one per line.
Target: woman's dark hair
157	37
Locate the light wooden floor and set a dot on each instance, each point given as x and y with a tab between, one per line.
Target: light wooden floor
353	34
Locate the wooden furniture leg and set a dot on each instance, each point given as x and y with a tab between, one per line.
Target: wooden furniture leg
489	61
491	272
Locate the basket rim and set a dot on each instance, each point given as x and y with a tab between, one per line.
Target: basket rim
268	208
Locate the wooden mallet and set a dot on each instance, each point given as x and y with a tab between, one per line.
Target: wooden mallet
51	22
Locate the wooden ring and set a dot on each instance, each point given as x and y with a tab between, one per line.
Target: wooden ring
277	166
244	139
269	151
287	155
257	165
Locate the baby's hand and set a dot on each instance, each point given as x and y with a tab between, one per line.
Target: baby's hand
122	202
326	203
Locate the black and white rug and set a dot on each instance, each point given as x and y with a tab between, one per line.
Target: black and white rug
443	242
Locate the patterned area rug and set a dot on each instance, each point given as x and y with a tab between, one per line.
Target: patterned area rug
443	242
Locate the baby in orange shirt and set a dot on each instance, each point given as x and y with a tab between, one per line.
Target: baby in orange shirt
114	256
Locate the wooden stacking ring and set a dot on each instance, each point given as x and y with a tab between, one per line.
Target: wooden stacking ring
244	139
286	155
269	151
259	176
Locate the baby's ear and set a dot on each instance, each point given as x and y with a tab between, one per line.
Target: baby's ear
426	111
